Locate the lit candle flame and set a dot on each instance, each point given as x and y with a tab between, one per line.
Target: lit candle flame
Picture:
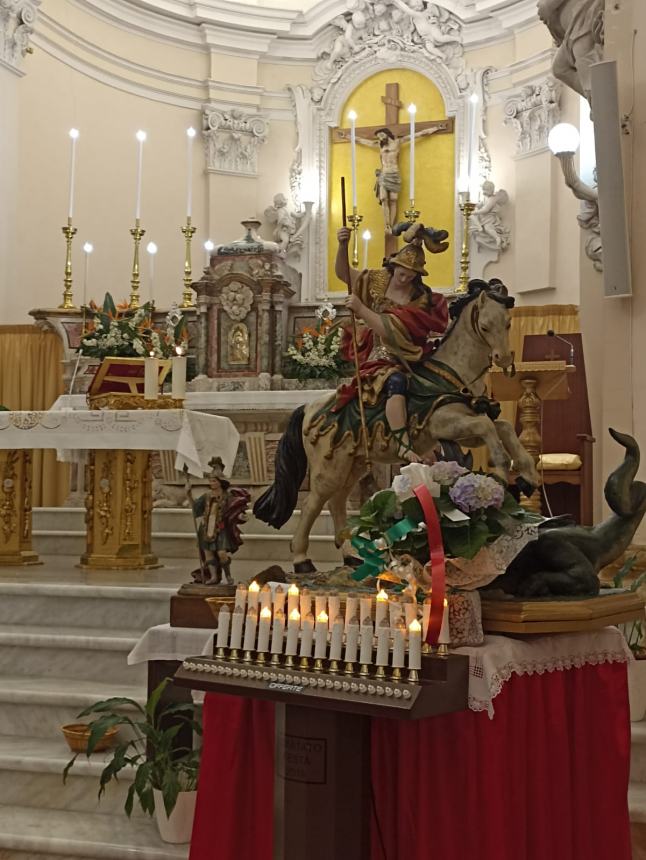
352	115
294	615
382	595
412	109
254	586
322	616
266	612
293	590
414	626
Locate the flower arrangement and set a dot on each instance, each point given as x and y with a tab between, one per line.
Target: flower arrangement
315	352
117	330
474	510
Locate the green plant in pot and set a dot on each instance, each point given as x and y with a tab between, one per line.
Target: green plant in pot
165	773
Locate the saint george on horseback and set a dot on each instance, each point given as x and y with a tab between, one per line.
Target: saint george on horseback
401	318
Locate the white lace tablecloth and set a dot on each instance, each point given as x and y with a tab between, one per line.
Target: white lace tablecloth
491	665
194	436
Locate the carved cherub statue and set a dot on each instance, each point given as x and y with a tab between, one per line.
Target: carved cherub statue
288	227
487	226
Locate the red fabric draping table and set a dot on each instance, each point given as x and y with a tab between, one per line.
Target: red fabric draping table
545	779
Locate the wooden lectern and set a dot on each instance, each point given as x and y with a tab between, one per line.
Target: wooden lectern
533	383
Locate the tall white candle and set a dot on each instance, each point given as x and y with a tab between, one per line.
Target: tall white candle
381	610
399	645
334	608
336	641
473	142
151	376
307	634
426	617
367	637
88	247
237	620
224	620
395	610
305	604
264	628
178	380
293	626
351	640
250	630
410	613
320	604
351	609
412	110
141	136
241	596
190	135
279	599
366	236
383	642
152	250
415	645
320	643
365	609
252	595
445	633
292	599
278	631
208	247
74	134
352	116
265	596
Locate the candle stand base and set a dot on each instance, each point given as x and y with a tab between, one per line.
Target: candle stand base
380	673
234	654
349	669
289	661
305	663
443	650
426	648
247	657
318	665
261	659
219	653
364	671
334	667
275	660
413	676
397	674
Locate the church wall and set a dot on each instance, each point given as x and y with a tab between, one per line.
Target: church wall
9	95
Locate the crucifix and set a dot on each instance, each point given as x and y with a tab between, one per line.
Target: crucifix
389	139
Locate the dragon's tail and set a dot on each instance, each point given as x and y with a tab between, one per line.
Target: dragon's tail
624	495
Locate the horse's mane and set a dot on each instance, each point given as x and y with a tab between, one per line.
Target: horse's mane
495	289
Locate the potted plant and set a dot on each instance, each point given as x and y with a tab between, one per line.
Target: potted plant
314	359
634	633
165	778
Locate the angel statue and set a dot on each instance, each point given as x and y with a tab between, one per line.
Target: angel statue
434	25
487	227
218	514
288	228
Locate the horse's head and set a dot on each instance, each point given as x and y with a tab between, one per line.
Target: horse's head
487	307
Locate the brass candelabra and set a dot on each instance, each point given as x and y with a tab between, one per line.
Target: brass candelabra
411	214
137	233
187	296
355	220
467	208
69	232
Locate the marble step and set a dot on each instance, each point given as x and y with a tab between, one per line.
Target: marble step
81	653
31	775
55	834
38	707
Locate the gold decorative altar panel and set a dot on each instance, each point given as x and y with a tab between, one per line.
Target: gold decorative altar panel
434	158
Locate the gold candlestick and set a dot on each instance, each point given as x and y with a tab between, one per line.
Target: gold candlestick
137	234
411	214
69	232
467	208
187	296
355	219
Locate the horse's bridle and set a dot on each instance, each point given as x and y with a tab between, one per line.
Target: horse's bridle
477	331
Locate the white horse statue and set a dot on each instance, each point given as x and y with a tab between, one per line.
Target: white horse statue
447	402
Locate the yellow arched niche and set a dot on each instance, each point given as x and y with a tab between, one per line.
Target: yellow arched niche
434	169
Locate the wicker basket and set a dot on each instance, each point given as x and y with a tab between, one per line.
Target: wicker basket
77	736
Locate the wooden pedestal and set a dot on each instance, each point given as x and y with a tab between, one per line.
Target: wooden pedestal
118	508
15	508
321	784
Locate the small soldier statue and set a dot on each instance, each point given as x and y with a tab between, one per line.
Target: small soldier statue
218	514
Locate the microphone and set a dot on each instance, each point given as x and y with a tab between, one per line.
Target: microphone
552	333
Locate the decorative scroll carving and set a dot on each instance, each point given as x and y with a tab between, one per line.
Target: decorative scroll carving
533	114
131	488
236	299
17	19
487	227
104	509
8	514
383	30
577	27
232	139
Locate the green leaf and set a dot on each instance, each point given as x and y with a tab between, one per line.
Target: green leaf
110	705
412	508
69	766
155	696
130	800
99	728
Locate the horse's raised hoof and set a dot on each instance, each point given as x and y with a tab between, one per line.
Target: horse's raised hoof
525	487
352	561
306	566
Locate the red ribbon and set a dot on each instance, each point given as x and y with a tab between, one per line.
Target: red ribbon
438	566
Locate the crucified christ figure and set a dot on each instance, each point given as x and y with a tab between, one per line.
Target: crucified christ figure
389	181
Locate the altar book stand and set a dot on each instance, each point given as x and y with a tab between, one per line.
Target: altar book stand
534	382
322	780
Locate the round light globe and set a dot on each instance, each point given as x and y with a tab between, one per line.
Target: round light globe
366	235
564	137
209	245
151	248
88	247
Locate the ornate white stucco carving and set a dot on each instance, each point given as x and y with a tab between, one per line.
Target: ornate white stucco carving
232	138
384	30
17	19
533	113
487	227
577	27
236	299
288	227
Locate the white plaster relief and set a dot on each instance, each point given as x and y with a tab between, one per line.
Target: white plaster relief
17	19
232	139
533	113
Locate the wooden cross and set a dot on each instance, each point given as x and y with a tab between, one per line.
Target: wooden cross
552	355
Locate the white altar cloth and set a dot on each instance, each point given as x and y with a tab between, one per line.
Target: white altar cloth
194	436
491	664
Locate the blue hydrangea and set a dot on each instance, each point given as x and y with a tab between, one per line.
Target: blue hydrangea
474	492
